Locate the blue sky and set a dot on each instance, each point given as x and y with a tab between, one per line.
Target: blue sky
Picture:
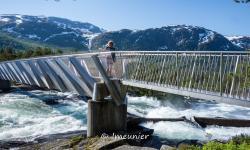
223	16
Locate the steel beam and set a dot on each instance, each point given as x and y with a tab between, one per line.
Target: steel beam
38	75
75	82
114	92
83	73
46	73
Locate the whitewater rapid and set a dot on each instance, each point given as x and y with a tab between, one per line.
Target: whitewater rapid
31	114
177	106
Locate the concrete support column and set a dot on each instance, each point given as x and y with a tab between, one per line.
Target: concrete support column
106	117
4	85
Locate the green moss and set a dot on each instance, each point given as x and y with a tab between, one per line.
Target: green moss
75	140
91	143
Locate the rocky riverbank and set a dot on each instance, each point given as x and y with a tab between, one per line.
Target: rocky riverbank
79	140
44	142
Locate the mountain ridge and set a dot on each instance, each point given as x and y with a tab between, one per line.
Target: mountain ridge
241	41
179	37
76	35
53	31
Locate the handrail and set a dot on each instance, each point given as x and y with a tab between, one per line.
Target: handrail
89	54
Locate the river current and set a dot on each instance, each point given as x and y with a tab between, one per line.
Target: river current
30	114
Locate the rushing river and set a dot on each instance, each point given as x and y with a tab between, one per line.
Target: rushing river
30	114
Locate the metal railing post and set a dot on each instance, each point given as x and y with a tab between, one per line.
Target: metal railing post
162	67
235	71
177	71
192	73
221	68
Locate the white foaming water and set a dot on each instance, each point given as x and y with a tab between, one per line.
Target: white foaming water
178	107
31	114
176	130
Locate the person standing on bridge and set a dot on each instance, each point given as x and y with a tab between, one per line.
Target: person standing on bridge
110	58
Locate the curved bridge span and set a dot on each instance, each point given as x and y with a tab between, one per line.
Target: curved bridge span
219	76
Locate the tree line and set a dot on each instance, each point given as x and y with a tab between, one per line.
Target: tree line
8	53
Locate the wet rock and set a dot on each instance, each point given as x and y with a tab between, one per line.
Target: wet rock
138	135
128	147
205	121
67	135
135	121
58	144
51	102
13	144
113	143
155	142
166	147
28	87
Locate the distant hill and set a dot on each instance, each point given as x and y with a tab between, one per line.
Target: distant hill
180	37
52	31
15	43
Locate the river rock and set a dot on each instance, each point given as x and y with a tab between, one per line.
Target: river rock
166	147
128	147
12	144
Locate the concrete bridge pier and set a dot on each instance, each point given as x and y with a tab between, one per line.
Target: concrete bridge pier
5	85
104	115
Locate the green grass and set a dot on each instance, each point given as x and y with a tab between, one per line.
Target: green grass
236	143
16	43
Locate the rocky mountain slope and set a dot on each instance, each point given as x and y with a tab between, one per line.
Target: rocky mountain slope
50	30
241	41
180	37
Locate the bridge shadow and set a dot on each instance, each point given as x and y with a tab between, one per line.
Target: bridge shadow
181	103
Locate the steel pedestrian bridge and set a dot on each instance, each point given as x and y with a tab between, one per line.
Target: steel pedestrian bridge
220	76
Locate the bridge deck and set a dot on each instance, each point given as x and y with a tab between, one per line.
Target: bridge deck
203	95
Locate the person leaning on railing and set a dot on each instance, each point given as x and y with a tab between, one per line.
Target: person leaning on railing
110	58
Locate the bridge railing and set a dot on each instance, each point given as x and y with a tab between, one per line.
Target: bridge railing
224	74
